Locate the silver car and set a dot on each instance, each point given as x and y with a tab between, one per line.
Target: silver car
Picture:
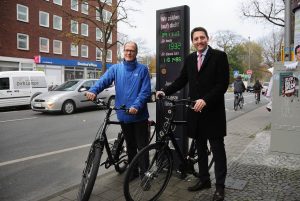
70	96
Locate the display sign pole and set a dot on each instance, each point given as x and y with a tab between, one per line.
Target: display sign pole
172	46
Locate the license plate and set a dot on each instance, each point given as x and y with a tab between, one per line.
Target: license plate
38	105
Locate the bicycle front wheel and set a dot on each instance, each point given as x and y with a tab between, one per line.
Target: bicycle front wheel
235	104
89	174
148	184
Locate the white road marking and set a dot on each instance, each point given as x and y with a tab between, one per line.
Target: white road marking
10	120
47	154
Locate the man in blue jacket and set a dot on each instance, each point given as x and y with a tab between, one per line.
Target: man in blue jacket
133	89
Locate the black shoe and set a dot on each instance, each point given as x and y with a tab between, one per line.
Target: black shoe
200	186
219	194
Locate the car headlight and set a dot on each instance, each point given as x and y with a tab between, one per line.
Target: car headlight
50	102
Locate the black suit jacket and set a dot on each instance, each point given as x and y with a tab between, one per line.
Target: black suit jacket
209	84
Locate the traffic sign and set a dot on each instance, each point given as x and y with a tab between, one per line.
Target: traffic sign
249	72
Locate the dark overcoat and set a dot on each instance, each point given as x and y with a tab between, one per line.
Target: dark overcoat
209	84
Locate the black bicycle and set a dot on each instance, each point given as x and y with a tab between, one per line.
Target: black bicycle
257	97
149	184
238	101
116	155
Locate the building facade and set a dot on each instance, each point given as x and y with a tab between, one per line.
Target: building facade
42	35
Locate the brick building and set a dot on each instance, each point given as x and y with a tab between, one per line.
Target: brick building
33	36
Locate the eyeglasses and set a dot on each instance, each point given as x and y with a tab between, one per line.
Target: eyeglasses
129	51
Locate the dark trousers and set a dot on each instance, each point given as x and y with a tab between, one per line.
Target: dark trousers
218	149
136	137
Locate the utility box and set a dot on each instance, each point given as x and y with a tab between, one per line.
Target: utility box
285	135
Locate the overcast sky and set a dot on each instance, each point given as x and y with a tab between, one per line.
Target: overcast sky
214	15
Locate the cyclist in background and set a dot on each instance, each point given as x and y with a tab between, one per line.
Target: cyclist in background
257	89
239	86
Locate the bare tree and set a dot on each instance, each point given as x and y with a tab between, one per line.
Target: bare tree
108	13
271	11
271	47
226	40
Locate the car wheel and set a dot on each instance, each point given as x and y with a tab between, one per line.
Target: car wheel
153	97
68	107
111	102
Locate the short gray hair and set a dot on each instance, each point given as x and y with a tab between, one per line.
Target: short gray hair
136	47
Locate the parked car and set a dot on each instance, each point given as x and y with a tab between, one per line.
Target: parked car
69	96
265	88
153	89
250	89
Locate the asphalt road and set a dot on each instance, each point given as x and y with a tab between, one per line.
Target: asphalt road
41	154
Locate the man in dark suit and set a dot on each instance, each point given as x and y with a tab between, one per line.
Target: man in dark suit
207	73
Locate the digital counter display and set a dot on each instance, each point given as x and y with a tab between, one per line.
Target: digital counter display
170	37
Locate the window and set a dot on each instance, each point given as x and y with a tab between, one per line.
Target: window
84	29
84	51
44	45
97	14
108	2
57	22
4	83
85	8
110	39
22	41
109	56
106	15
57	47
74	50
98	35
58	2
98	54
74	27
22	13
44	19
74	5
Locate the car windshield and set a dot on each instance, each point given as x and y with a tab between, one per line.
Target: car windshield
68	86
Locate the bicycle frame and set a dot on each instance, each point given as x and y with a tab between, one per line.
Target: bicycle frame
101	138
168	134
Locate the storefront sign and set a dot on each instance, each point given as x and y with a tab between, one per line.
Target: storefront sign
68	62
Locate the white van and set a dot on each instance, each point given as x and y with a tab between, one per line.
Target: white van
20	87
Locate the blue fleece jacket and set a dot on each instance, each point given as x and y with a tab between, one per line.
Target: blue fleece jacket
133	88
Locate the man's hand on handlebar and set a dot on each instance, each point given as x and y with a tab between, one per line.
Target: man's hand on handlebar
199	105
90	96
160	94
132	110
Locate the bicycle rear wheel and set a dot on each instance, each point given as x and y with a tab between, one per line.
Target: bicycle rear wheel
150	183
89	173
121	155
235	104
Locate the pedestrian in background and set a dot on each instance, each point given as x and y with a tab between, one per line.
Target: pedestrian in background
207	73
132	84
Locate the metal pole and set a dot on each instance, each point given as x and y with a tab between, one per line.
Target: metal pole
249	52
287	30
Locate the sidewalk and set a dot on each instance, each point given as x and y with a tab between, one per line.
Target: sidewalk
253	172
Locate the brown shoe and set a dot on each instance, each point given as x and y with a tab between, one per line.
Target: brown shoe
219	194
200	186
